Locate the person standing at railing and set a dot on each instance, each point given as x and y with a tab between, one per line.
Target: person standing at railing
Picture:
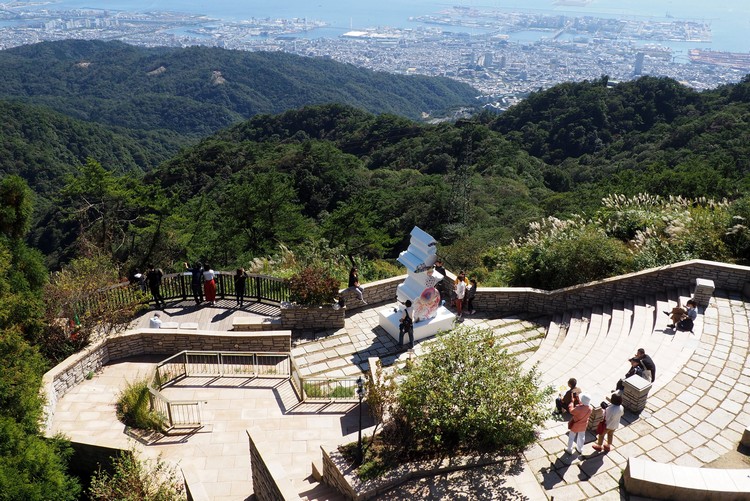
196	286
153	277
209	284
240	279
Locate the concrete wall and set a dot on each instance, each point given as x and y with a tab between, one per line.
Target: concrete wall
89	458
339	473
270	482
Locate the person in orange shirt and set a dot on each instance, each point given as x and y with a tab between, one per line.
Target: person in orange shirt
580	410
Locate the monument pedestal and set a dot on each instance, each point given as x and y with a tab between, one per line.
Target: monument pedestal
423	329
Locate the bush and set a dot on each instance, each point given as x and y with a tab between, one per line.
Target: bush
469	393
559	253
313	287
322	389
134	409
133	479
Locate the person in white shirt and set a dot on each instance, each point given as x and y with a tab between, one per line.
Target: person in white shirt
154	322
460	290
612	415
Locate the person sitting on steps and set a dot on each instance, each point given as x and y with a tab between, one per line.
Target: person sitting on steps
635	369
562	401
683	319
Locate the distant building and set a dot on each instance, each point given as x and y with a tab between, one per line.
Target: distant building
638	70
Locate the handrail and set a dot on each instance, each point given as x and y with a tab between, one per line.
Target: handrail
173	412
252	364
329	389
178	286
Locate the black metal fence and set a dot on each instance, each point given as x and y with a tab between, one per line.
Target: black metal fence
176	286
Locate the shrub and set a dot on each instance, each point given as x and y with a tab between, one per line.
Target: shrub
343	392
322	389
135	479
313	287
134	408
468	392
559	253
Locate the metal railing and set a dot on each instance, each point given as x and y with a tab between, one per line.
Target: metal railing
329	389
176	413
222	364
240	364
177	286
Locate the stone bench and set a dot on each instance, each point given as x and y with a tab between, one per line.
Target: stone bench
650	479
256	323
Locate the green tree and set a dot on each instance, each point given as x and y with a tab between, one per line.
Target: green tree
78	306
32	468
16	208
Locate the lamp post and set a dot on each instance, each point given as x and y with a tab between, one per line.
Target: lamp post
360	394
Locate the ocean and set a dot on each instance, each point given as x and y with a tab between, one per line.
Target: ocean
730	19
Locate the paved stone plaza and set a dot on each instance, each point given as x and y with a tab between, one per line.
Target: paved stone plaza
696	411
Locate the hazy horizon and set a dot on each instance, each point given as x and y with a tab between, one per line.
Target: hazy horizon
730	20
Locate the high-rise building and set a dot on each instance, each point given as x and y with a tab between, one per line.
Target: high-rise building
638	63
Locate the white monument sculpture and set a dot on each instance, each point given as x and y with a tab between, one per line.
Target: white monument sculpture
430	316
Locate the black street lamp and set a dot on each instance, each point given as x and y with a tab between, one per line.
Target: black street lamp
360	394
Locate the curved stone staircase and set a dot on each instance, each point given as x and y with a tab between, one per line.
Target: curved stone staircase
698	405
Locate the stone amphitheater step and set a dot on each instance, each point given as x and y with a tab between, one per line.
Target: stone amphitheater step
696	411
599	342
554	332
570	361
707	396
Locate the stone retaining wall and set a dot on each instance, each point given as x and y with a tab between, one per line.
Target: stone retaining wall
339	473
633	285
295	317
379	291
270	482
74	369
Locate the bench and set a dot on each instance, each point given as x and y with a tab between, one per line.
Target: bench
256	323
647	478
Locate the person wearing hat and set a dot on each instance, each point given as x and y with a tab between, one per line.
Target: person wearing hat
580	410
635	369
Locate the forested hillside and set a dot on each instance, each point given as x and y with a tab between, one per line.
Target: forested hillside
358	182
337	180
198	90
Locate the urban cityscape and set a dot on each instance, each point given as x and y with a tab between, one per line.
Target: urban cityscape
504	55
